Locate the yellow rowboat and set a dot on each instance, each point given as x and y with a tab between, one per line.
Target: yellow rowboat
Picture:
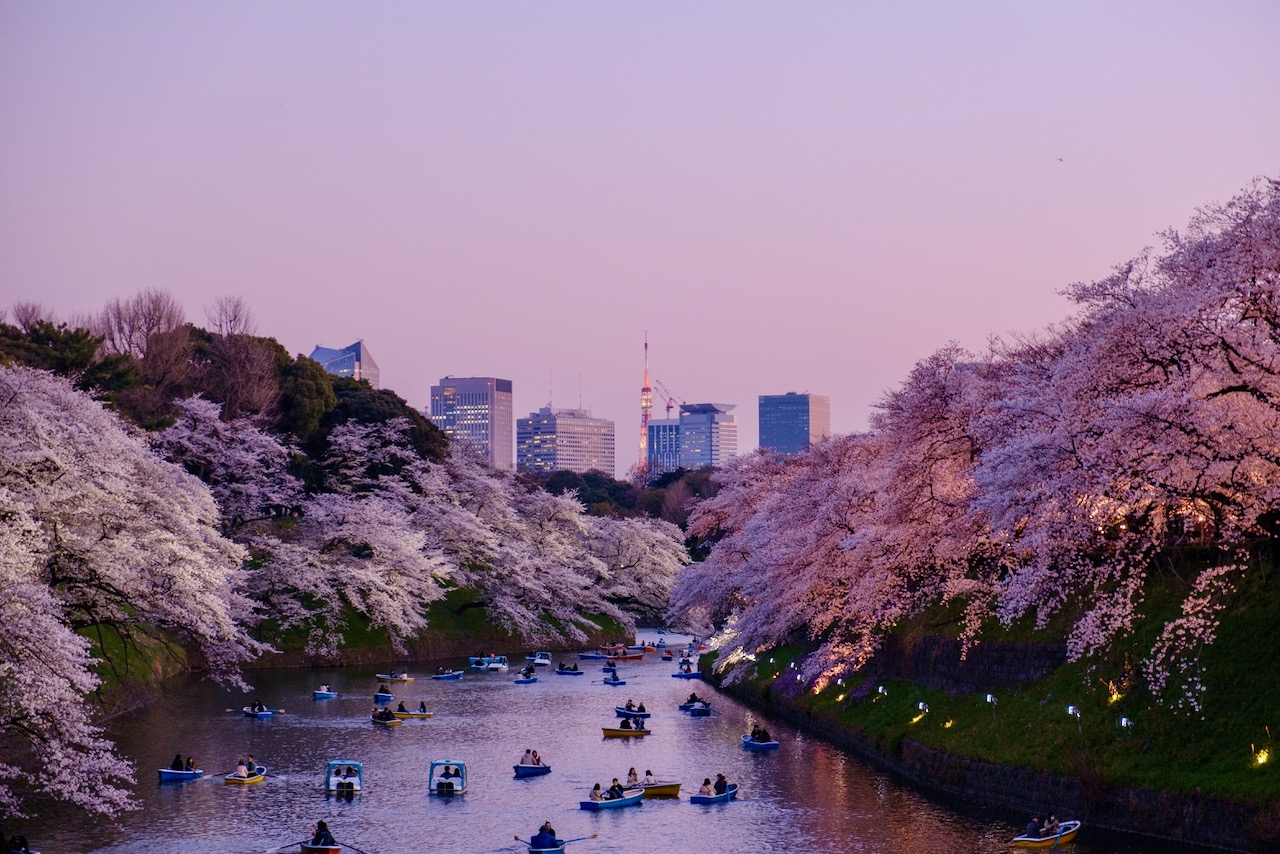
403	715
661	789
614	732
233	780
392	722
1066	833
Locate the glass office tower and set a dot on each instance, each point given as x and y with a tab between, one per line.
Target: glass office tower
353	361
790	423
551	440
478	410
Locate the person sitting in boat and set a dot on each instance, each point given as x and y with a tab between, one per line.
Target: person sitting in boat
527	759
422	707
649	779
383	689
18	844
400	707
706	787
325	687
544	840
1051	827
615	791
258	706
574	667
320	834
630	706
721	786
638	723
191	764
693	698
242	770
596	794
686	669
633	779
640	708
537	760
176	764
1033	827
251	764
626	724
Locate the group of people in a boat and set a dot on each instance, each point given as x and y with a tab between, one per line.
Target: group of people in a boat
632	707
612	793
632	723
760	734
178	765
450	778
527	672
246	768
258	706
422	707
383	714
719	787
444	671
564	666
383	689
544	838
1035	829
530	757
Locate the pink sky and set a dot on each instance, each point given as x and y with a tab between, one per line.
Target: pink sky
788	197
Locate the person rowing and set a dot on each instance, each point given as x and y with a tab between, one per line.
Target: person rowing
545	838
320	834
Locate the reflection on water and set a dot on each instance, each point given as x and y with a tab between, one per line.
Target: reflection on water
806	797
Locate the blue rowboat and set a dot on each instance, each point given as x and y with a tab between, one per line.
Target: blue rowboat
560	672
729	794
751	744
696	674
169	775
630	798
324	695
531	770
380	697
613	682
452	674
624	712
525	680
592	656
250	713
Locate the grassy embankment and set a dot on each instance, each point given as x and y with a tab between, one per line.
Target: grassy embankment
1215	751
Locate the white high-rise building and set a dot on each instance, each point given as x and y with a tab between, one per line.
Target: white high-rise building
552	440
477	410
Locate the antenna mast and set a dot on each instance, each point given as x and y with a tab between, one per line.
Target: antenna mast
646	411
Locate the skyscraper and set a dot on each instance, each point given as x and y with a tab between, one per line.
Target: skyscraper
708	435
663	450
790	423
354	362
477	410
551	440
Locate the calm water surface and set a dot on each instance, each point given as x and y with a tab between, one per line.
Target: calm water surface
806	797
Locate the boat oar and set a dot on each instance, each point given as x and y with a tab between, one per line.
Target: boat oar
580	838
280	848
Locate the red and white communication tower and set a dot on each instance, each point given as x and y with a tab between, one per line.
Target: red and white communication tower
646	411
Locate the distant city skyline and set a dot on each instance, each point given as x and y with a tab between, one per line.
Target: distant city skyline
784	197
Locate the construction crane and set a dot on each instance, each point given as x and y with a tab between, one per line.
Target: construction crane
671	399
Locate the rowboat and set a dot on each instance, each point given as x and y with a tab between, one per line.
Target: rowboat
661	789
394	677
693	674
592	656
259	774
560	672
381	697
324	695
613	647
630	798
379	722
408	715
618	732
639	647
684	707
629	656
344	777
751	744
451	779
308	848
624	712
1066	832
667	656
250	713
607	681
729	794
452	674
525	680
172	775
531	770
609	668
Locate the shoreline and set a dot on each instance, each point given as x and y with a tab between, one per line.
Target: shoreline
1199	821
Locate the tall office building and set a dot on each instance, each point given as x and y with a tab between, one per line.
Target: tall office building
477	410
708	435
354	362
790	423
551	440
663	451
